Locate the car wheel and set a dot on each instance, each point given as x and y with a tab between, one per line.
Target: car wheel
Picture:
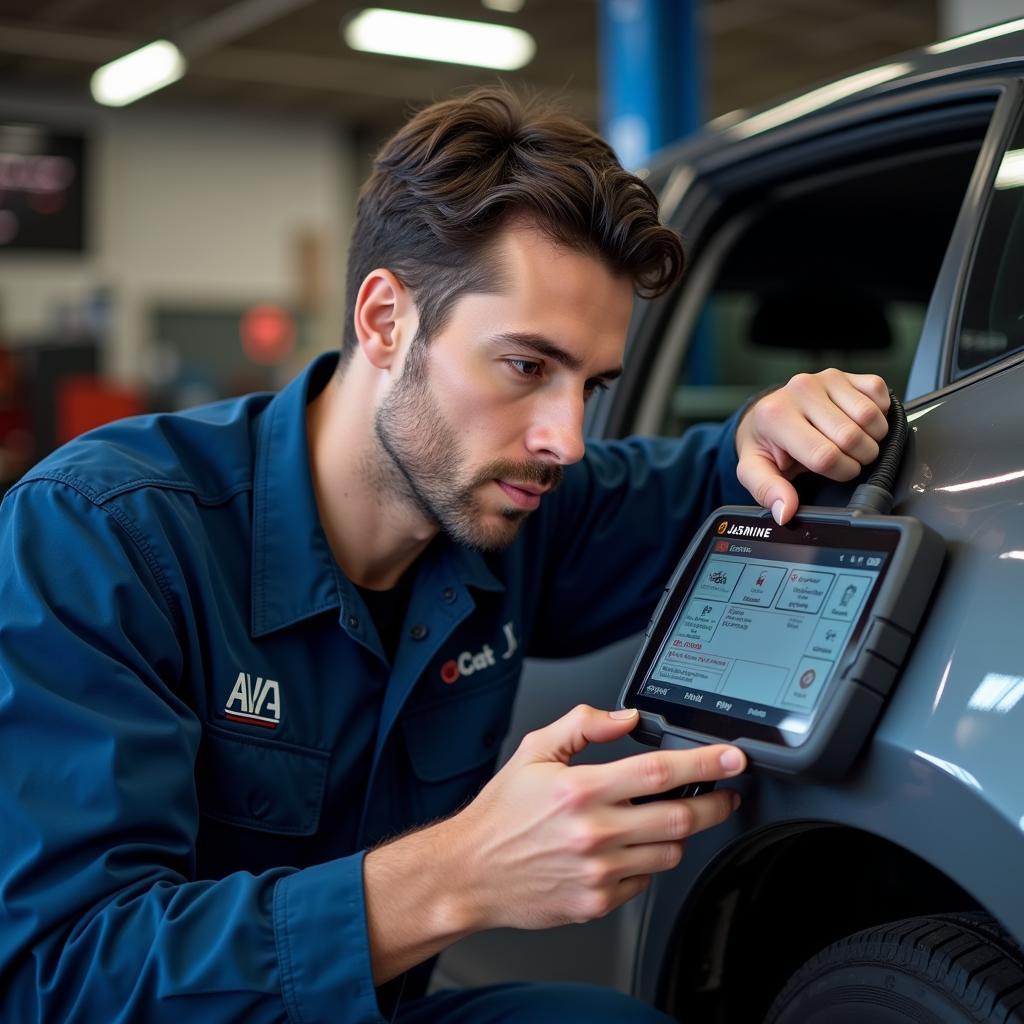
945	969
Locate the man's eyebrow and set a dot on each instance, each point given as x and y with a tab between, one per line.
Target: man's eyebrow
543	347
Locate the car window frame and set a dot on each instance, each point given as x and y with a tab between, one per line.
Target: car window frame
1011	123
713	177
932	368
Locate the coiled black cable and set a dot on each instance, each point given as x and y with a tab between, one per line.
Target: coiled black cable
875	495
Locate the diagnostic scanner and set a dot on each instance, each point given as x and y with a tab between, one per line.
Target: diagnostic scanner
784	640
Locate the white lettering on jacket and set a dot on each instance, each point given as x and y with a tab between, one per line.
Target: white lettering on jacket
254	701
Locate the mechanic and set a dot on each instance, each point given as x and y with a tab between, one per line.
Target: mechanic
245	644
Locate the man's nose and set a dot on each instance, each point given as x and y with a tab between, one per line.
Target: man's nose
557	432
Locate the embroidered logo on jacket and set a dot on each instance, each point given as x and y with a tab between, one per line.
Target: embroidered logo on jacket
255	702
469	662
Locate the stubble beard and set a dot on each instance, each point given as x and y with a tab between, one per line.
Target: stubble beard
421	462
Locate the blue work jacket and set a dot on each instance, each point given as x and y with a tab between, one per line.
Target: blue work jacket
201	733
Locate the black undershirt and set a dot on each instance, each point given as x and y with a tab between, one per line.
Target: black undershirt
387	609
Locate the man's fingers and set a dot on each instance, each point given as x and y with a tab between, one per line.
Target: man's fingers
800	433
760	475
630	887
818	434
648	859
831	417
613	895
874	387
829	423
861	409
661	770
668	820
568	735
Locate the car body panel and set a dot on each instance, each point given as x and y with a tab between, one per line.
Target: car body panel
943	775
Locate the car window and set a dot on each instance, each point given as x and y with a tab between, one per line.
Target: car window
992	321
836	270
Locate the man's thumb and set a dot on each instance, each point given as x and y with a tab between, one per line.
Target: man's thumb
568	735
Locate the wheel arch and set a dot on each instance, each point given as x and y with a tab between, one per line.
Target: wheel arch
769	903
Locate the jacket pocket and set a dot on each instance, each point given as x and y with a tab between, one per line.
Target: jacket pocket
452	745
259	784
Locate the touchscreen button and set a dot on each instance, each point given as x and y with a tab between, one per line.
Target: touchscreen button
847	596
718	580
805	590
687	668
700	619
806	684
828	640
758	585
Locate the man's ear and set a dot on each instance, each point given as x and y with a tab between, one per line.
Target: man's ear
385	318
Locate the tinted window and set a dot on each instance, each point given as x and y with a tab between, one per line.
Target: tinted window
992	324
835	270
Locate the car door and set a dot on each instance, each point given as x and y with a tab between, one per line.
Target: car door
930	821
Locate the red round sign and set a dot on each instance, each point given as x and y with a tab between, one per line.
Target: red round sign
268	334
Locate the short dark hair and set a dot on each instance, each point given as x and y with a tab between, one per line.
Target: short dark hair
447	182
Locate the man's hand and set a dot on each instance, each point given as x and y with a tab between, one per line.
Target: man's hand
544	843
551	843
828	423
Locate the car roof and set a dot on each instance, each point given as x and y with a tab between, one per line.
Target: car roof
997	48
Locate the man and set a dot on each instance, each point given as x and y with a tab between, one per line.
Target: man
243	645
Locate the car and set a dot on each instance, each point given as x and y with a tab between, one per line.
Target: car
876	224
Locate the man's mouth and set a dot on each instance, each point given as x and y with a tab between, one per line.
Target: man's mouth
524	496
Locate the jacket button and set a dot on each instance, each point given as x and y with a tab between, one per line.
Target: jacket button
353	622
419	631
258	806
449	595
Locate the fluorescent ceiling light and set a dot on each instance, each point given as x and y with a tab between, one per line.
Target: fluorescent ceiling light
506	6
137	74
975	37
451	40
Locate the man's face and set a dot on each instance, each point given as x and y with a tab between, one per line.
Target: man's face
484	417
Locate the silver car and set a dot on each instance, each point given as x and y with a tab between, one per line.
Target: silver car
876	224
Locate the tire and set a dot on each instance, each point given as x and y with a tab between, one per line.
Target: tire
942	969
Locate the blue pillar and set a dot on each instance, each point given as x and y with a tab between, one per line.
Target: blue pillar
652	78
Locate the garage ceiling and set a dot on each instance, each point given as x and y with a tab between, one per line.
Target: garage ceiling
297	61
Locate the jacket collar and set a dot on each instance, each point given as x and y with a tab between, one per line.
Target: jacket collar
294	575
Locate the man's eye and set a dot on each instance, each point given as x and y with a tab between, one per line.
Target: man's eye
594	385
525	367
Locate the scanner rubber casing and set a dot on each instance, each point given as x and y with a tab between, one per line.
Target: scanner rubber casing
865	673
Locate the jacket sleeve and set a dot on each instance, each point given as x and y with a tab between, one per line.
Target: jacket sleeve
621	521
102	917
